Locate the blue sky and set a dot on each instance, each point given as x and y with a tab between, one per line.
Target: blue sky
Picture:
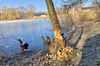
40	5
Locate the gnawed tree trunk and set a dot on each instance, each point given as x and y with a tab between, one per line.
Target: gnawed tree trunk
22	46
54	19
54	45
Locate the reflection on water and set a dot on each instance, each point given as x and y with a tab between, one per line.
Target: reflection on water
29	31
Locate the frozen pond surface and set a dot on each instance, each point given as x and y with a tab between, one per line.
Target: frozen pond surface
29	31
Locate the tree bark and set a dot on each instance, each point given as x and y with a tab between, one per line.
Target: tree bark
56	44
54	19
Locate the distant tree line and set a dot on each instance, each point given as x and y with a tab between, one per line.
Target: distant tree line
13	13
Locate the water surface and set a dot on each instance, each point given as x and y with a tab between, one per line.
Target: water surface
29	31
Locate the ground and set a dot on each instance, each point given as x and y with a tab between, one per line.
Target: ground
90	56
91	52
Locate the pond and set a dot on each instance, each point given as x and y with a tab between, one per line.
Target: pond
29	31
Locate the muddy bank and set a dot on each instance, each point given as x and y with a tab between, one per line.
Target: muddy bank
21	59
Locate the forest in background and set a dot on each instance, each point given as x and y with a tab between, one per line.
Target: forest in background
12	13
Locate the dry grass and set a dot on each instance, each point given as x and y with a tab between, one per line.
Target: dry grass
80	16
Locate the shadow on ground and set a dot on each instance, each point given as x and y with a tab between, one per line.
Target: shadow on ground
91	52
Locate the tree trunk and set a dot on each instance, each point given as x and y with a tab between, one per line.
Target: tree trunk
54	19
53	45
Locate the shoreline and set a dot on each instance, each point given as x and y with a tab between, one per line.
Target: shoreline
30	19
33	18
21	20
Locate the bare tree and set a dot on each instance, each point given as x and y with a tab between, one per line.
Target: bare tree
29	11
57	43
13	13
3	13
